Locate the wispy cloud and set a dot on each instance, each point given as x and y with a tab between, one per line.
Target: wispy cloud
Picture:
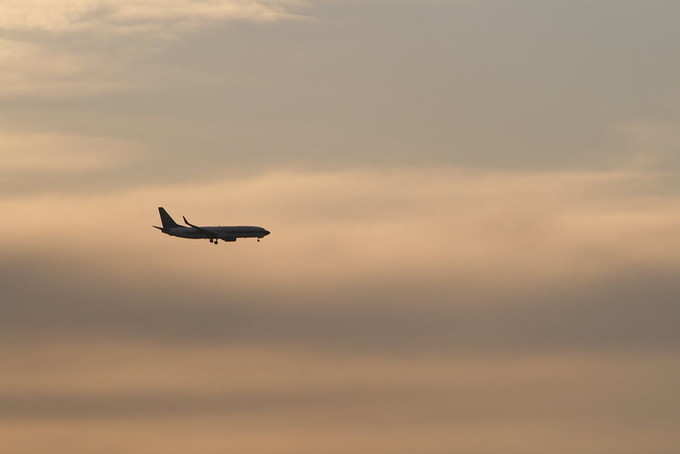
29	68
437	304
476	243
131	15
520	262
35	154
34	64
499	215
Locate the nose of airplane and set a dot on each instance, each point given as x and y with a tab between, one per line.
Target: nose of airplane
267	232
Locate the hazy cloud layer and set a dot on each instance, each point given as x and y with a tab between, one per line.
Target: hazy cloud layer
131	15
516	98
475	213
495	262
24	154
469	84
84	47
30	69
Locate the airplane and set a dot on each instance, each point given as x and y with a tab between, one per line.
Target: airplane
214	234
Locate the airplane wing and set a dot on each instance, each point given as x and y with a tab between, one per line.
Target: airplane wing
200	229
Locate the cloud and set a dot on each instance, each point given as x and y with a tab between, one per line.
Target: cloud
416	390
397	320
30	69
131	15
36	154
410	218
48	160
137	395
38	59
445	304
650	144
412	261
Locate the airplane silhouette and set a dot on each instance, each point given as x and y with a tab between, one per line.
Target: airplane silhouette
213	233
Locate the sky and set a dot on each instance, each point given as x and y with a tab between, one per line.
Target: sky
475	217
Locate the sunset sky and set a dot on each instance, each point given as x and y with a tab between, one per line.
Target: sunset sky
475	216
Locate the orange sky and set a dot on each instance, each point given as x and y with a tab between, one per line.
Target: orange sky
474	210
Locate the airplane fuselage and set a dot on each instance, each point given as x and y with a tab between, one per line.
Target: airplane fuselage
212	233
225	233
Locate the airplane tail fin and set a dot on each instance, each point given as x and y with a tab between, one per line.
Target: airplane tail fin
166	219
